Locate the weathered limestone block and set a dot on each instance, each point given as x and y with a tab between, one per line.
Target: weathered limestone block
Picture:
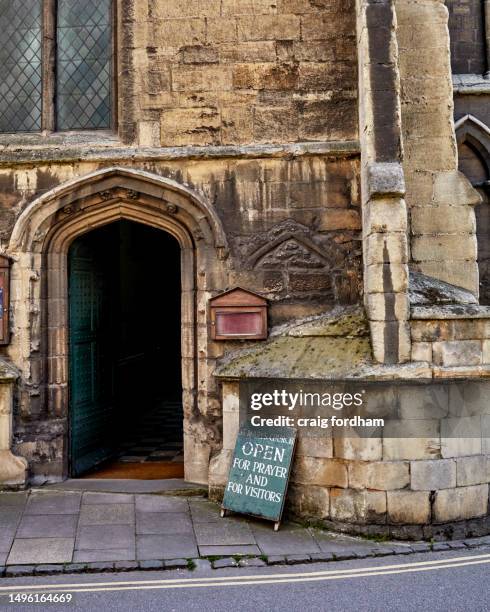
462	273
391	341
452	247
461	503
388	307
384	215
431	219
310	501
358	506
471	471
319	471
422	351
231	418
197	460
424	402
179	9
485	441
269	27
408	507
359	449
315	446
458	353
429	331
469	399
380	475
441	238
386	248
385	178
432	475
486	351
149	133
13	470
338	218
191	126
180	32
415	439
453	188
461	436
386	278
434	152
219	468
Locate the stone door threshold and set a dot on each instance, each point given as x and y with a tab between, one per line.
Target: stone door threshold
169	486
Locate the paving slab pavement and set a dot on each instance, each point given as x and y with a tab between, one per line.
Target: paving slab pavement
41	550
49	527
166	547
163	523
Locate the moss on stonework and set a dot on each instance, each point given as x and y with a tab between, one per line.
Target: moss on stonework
325	346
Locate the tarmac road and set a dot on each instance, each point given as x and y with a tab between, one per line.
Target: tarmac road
438	581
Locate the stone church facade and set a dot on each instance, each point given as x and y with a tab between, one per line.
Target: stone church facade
329	155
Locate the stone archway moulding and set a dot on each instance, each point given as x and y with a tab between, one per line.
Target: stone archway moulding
136	182
39	247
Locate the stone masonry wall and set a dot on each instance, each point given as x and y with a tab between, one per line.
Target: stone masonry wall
385	248
214	82
426	476
261	202
467	31
430	485
456	343
440	199
293	230
213	72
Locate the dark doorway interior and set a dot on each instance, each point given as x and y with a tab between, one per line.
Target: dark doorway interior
125	360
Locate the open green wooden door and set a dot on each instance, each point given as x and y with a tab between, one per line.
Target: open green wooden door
92	414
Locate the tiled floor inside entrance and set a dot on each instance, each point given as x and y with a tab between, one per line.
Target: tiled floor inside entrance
158	436
154	450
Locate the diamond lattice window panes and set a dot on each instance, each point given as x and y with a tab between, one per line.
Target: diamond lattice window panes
84	63
20	65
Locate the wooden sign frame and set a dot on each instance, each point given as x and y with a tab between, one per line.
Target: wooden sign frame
293	433
236	302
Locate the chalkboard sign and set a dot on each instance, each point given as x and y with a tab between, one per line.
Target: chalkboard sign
259	473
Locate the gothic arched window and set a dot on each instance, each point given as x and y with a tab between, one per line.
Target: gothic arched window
474	161
56	68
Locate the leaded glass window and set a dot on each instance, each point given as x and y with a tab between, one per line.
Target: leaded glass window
20	65
55	65
84	64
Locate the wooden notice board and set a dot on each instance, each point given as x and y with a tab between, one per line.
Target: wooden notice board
259	473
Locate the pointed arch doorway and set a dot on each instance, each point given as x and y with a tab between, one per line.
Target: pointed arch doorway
124	346
39	247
